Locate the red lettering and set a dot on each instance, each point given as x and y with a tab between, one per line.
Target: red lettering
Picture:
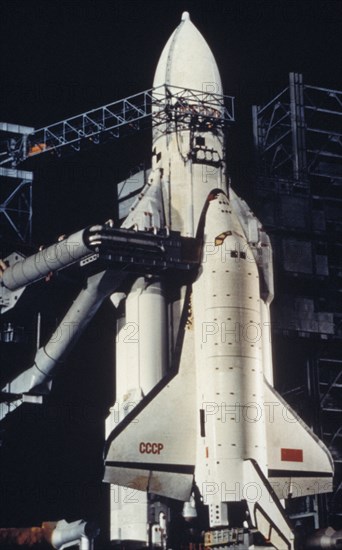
150	448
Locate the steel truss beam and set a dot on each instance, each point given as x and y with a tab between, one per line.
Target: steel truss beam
167	103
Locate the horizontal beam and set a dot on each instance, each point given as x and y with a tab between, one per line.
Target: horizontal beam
163	104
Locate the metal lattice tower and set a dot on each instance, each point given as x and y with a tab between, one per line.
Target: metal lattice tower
298	134
298	143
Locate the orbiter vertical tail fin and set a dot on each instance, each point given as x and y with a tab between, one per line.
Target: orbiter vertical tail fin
266	512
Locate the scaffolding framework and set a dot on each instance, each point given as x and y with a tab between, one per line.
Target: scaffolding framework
16	186
298	133
16	202
298	145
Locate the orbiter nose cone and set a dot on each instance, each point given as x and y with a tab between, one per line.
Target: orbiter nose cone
187	61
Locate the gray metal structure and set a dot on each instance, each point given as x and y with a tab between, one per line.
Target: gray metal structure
298	134
175	103
59	535
16	184
298	144
107	256
18	143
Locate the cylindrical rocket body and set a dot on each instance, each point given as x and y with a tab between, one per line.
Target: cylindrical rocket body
128	515
189	152
187	180
86	304
141	344
188	149
52	258
141	361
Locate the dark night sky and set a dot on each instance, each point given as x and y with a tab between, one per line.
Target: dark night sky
60	58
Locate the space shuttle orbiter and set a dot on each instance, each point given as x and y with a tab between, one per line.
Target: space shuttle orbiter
194	381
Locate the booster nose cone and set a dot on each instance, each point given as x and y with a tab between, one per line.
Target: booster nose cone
187	61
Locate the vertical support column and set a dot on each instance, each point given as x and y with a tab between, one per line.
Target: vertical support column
298	128
16	202
256	137
313	378
15	185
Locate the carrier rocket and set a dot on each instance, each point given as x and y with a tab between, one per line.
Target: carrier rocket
196	415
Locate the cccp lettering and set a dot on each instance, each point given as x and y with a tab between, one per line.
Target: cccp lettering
150	448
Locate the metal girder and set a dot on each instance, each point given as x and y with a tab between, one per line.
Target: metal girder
16	201
166	103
